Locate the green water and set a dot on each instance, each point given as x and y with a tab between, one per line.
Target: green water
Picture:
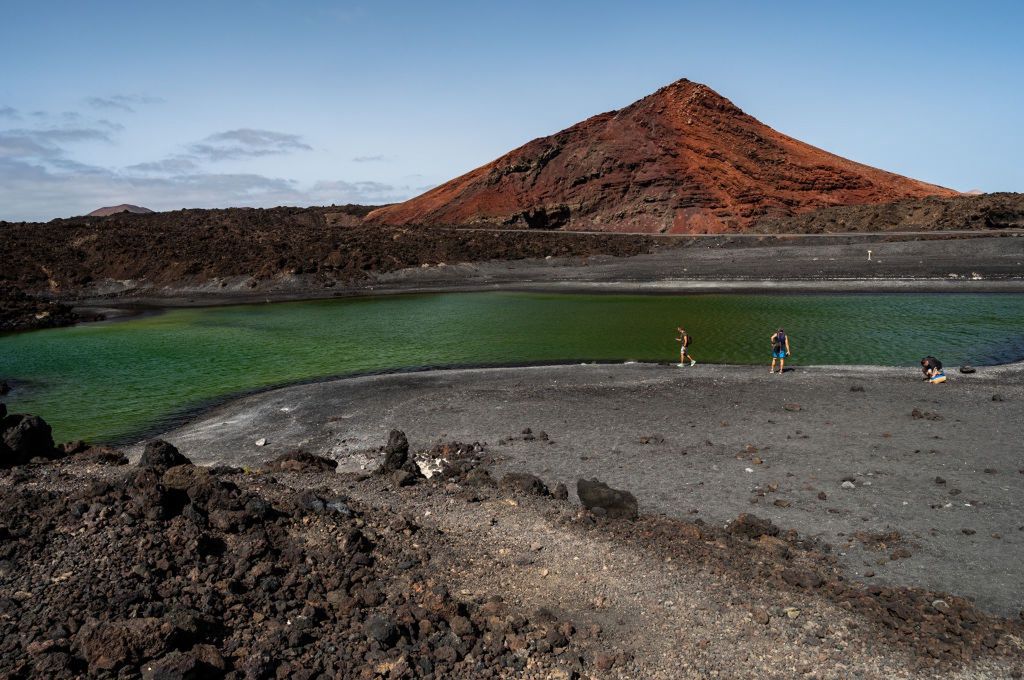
106	382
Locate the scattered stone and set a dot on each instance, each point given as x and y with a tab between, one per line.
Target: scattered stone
161	455
561	492
523	482
998	397
791	407
822	496
791	612
940	480
302	462
752	526
856	388
918	414
615	503
262	441
848	485
781	503
968	532
967	368
802	578
900	554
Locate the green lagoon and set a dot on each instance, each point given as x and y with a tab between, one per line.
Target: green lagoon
112	381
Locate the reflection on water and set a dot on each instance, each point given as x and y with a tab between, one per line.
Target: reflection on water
109	380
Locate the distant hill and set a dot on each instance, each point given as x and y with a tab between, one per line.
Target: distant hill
115	209
682	160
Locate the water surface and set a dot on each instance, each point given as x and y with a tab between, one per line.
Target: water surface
113	380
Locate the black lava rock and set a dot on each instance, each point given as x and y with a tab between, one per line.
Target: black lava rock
161	455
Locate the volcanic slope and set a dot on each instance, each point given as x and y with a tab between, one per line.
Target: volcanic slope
682	160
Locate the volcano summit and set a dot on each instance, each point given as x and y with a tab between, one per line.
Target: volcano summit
682	160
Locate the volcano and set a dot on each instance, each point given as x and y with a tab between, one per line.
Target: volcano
115	209
682	160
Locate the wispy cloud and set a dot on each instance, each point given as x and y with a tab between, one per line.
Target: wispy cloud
9	112
173	165
28	190
45	143
370	159
340	191
122	102
247	143
40	180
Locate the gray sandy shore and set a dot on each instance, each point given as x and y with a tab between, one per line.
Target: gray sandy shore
793	263
934	474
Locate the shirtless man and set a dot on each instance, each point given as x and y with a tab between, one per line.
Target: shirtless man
684	349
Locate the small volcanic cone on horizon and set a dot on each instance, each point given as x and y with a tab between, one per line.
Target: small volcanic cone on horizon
682	160
115	209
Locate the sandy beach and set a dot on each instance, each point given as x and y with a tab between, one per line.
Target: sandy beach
935	468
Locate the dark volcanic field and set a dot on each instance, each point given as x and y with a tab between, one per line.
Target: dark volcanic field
987	211
326	246
166	569
313	250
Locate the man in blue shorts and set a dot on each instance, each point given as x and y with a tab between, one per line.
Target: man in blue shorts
780	350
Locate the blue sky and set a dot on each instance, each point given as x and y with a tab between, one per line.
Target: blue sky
217	103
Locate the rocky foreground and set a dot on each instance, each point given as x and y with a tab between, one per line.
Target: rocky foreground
164	569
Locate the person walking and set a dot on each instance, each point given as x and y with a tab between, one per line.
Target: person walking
780	350
684	348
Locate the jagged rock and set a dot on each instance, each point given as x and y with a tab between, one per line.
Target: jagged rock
615	503
199	663
396	456
26	437
161	455
523	482
561	492
111	645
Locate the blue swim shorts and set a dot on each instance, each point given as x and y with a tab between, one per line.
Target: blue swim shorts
781	354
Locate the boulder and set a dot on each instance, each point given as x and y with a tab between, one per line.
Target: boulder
523	482
161	455
26	437
967	368
615	503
